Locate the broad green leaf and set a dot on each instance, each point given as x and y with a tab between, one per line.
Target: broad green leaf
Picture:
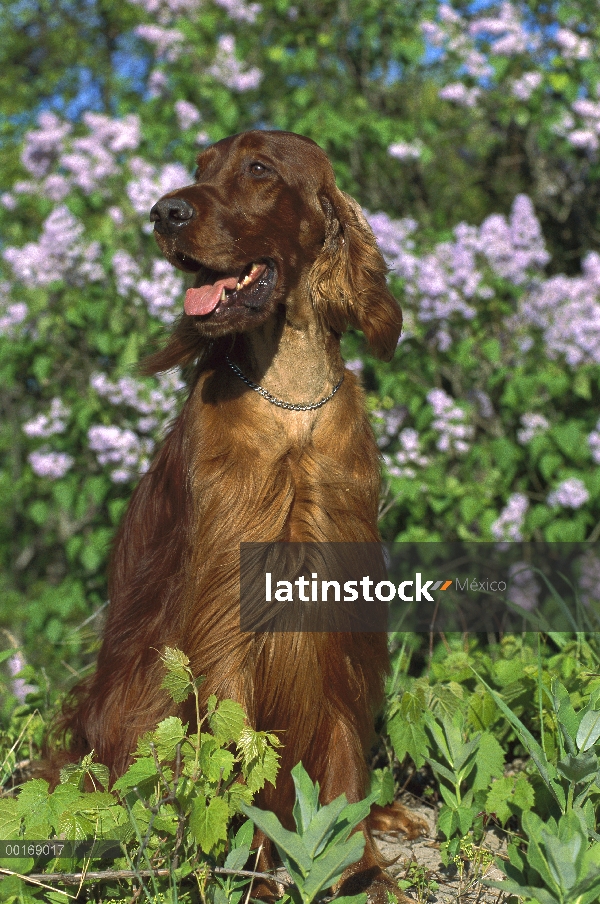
319	830
140	773
288	843
227	722
489	761
307	798
328	868
208	822
589	730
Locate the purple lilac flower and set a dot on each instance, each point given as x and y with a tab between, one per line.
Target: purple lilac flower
57	255
460	94
240	11
572	46
91	159
402	463
56	187
387	423
567	310
116	215
523	588
583	139
476	64
594	443
45	425
395	242
571	493
167	41
20	688
355	365
509	524
160	401
522	88
162	291
157	83
165	11
533	425
8	201
127	272
228	70
151	183
50	464
511	36
515	247
11	315
124	448
449	422
403	150
187	114
43	145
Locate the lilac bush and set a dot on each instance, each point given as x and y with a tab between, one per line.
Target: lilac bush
487	420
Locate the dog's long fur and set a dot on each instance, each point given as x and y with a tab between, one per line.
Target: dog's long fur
236	468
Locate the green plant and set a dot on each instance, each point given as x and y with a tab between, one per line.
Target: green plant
323	845
576	773
559	866
171	811
464	776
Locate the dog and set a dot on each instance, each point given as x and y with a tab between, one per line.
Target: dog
273	445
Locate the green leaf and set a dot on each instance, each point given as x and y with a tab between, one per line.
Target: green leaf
178	679
307	798
316	834
215	762
408	738
329	867
227	721
141	774
545	768
578	768
382	782
589	730
489	762
10	818
287	843
165	738
509	795
208	823
260	761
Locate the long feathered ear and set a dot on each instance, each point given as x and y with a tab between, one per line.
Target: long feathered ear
347	281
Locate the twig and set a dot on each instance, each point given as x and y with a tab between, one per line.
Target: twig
111	875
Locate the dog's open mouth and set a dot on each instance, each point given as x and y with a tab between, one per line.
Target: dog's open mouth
216	291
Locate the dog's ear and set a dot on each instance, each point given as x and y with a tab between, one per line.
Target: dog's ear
347	281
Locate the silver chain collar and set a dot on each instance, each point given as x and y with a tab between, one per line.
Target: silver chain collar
272	399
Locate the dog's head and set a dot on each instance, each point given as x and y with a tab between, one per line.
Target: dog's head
265	225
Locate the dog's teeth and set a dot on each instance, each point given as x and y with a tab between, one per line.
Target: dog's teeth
223	295
239	285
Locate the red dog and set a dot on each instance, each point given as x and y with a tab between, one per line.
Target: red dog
283	262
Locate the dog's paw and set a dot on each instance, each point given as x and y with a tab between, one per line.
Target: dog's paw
397	818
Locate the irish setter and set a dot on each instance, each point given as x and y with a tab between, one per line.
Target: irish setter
283	261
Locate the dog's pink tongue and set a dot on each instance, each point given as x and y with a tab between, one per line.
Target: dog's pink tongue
204	299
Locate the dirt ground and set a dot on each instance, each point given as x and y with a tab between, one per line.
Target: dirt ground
420	860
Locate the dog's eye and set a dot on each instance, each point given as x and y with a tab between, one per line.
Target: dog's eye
258	169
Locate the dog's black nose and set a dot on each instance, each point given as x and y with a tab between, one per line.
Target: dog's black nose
171	213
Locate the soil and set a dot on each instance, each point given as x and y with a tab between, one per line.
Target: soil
435	883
